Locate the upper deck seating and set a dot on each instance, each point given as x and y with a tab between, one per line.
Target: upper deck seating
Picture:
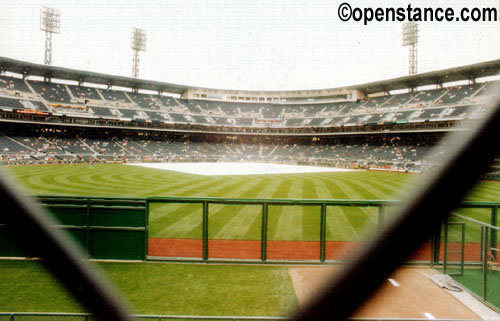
85	93
51	92
114	96
13	84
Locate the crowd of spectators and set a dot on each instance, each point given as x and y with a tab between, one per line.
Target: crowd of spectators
390	153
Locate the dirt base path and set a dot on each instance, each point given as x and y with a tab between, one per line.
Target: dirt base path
407	294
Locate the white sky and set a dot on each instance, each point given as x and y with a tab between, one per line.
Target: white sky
243	44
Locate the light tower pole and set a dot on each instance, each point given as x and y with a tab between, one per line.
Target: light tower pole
137	44
410	39
50	22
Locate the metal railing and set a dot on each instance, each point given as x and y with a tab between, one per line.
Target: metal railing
264	204
488	250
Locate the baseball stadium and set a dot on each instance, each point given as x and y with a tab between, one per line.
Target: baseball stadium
134	199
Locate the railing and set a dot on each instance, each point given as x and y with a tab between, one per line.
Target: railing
322	204
265	203
488	256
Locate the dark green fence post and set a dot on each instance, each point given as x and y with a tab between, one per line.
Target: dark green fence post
263	234
381	216
322	244
87	231
445	250
485	263
435	247
146	232
494	221
205	230
482	244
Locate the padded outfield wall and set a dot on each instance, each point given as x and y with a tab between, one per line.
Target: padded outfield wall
104	228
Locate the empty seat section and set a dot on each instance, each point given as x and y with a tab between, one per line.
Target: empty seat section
82	92
51	92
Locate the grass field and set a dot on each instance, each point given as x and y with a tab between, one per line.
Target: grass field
204	289
155	288
240	222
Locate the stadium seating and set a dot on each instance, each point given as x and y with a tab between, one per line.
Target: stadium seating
114	96
55	148
85	93
13	84
447	103
55	93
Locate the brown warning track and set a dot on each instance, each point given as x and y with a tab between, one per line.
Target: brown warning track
414	296
280	250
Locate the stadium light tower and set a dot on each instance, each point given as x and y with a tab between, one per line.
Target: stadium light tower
410	39
138	43
50	22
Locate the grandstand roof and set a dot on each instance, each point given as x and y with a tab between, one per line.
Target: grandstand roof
483	69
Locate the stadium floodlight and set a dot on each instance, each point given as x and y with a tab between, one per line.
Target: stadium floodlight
137	44
50	22
410	39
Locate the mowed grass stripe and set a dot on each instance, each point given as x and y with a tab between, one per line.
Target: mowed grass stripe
338	227
221	216
485	191
189	227
180	220
311	215
287	222
160	211
246	223
192	222
371	191
358	218
392	189
343	223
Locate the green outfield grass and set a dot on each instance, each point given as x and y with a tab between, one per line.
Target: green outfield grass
158	288
240	222
155	288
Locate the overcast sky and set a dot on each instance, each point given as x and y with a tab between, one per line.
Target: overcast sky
243	44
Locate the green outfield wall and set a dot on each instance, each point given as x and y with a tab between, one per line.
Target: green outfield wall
104	228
